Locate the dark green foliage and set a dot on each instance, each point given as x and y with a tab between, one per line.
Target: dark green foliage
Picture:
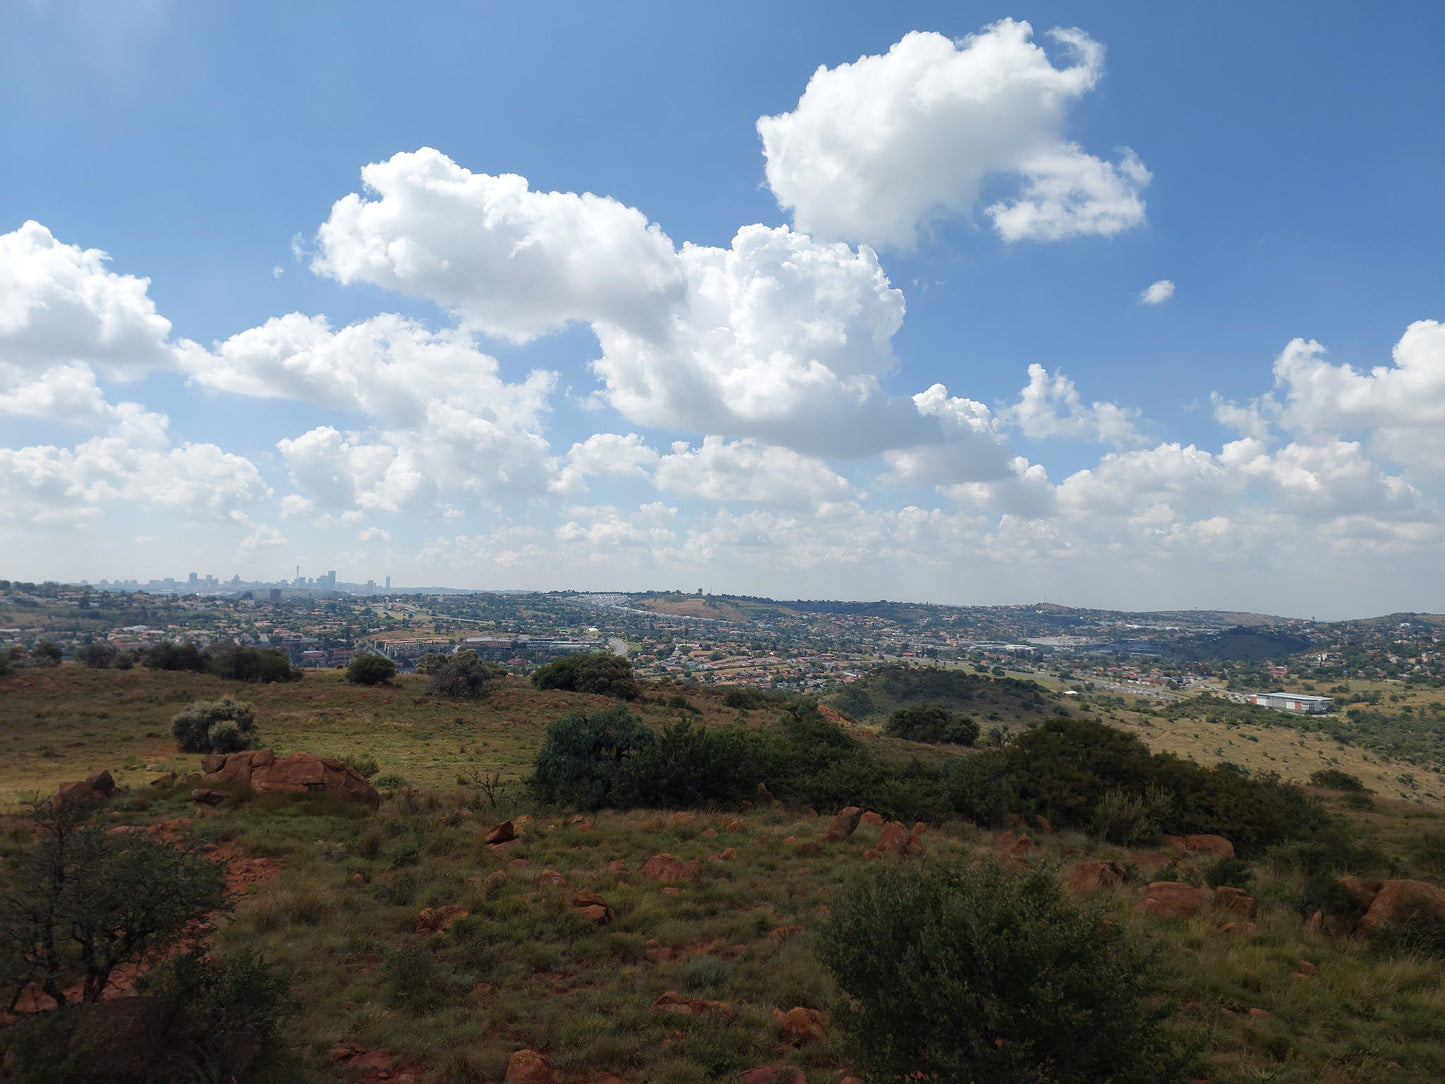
81	901
175	657
463	675
99	655
46	654
584	757
690	766
364	764
1234	872
431	662
367	669
1335	779
231	1010
749	696
885	689
595	672
992	976
931	722
236	663
215	726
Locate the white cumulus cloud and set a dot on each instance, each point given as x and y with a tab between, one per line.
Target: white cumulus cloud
1156	293
877	149
749	472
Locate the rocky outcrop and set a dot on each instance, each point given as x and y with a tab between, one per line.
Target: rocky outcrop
591	906
1208	844
96	787
438	919
844	824
1174	899
1402	908
296	773
668	869
501	833
1235	900
528	1067
896	839
1094	875
800	1026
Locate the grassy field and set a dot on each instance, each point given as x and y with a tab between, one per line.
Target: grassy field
339	908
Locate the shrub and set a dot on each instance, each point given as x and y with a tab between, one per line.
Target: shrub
991	976
583	759
931	722
595	672
364	764
368	669
175	657
215	726
46	654
1126	819
463	675
1335	779
236	663
98	656
430	663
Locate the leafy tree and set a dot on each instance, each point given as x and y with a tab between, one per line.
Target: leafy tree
463	675
595	672
80	901
993	977
46	654
431	662
237	663
215	726
175	657
98	655
370	670
584	757
931	722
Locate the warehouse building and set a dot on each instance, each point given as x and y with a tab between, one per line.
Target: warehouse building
1298	702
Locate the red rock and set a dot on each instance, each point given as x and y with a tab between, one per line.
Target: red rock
667	868
1260	1014
528	1067
727	854
709	833
734	826
897	839
1306	967
1404	906
1043	825
809	847
1093	875
874	820
1361	893
871	853
693	1006
1210	845
1016	820
296	773
436	919
592	906
1235	900
773	1074
519	863
582	824
502	833
617	867
801	1026
1175	843
550	878
204	796
96	787
845	823
1173	899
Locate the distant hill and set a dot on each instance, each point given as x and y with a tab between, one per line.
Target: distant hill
1237	645
882	691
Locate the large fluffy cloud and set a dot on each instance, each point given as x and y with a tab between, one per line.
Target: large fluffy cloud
1401	406
748	472
876	149
1050	406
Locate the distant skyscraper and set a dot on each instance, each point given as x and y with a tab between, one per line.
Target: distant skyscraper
388	583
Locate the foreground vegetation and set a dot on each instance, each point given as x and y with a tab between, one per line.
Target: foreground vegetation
753	914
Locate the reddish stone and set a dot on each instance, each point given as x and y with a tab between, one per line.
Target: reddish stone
773	1074
1175	843
1174	899
296	773
437	919
502	833
734	826
550	878
528	1067
727	854
845	823
1093	875
709	833
897	839
1234	900
1403	905
667	868
874	820
783	933
801	1026
693	1006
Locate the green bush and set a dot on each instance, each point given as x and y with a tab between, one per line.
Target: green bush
463	675
364	764
215	726
992	976
1335	779
236	663
931	722
175	657
99	655
583	759
368	669
595	672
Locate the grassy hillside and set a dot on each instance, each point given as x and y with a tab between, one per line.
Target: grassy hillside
1006	701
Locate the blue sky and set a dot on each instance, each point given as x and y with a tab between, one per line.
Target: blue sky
977	199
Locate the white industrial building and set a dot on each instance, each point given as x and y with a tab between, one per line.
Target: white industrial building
1299	702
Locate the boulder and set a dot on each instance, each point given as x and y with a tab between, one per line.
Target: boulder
96	787
502	833
897	839
809	847
296	773
528	1067
1405	907
1174	899
592	906
437	919
1094	875
801	1026
873	820
550	878
668	869
206	796
1235	900
727	854
1176	844
1208	844
845	823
